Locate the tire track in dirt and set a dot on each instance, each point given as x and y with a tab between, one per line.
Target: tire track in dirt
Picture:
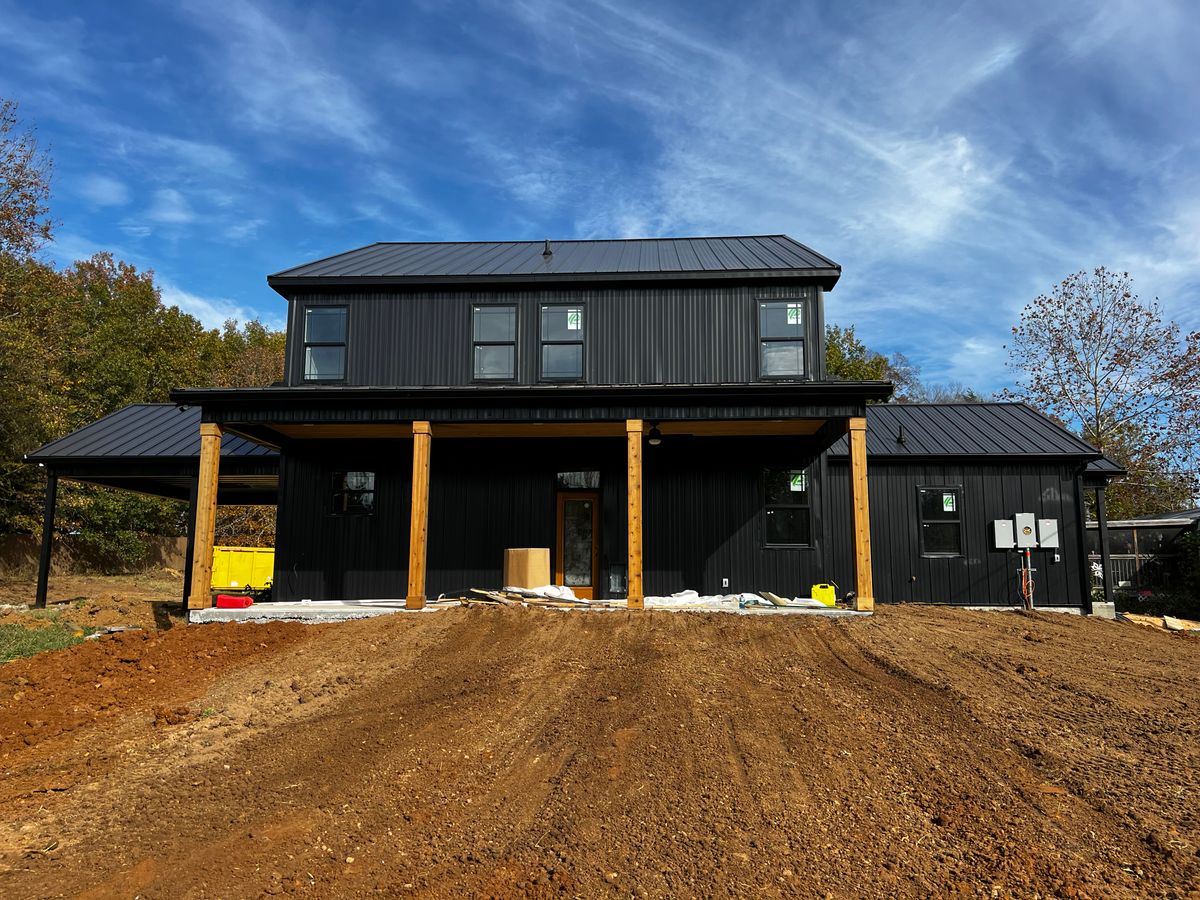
515	753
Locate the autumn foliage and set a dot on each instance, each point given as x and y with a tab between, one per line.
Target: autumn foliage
1113	369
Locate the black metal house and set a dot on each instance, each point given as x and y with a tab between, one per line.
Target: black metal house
656	412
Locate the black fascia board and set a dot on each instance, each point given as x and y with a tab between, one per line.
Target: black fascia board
825	278
860	392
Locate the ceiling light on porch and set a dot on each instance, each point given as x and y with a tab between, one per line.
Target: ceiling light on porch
655	436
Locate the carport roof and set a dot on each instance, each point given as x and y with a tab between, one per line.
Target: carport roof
154	448
142	431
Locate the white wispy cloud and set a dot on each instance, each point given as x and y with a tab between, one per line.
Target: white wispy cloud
283	80
102	190
170	207
212	312
53	48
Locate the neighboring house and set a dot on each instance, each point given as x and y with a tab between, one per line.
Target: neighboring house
656	412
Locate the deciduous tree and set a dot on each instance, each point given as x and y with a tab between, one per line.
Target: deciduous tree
25	224
1109	366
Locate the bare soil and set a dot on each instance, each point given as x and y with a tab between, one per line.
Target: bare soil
148	600
533	753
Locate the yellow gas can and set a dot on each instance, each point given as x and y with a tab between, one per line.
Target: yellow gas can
825	593
243	568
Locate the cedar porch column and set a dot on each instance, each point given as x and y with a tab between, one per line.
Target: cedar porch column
1105	556
43	582
205	523
864	591
418	529
633	444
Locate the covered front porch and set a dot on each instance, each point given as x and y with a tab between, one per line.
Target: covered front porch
635	491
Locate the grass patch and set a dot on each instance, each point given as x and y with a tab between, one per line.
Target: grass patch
17	640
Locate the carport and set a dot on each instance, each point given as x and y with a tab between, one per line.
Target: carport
151	448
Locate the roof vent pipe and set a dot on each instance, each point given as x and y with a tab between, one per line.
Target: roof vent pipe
900	436
547	252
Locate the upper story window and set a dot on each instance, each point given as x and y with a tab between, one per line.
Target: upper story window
788	508
325	343
494	332
562	336
940	512
781	339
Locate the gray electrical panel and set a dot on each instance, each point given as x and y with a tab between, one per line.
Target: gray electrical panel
1026	530
1002	534
1047	533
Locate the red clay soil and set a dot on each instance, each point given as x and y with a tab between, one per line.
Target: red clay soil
523	753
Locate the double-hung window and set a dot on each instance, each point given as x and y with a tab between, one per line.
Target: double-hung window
788	508
562	337
781	338
494	332
940	516
353	493
325	343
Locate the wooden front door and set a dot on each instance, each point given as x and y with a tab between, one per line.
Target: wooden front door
577	554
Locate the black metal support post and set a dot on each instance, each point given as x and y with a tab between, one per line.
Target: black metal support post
43	581
190	552
1105	559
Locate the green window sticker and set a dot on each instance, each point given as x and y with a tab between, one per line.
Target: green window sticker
948	502
793	314
799	481
574	320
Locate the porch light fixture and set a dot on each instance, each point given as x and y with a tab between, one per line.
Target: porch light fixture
655	436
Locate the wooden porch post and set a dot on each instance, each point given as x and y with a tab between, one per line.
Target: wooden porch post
633	443
864	591
205	523
419	522
43	582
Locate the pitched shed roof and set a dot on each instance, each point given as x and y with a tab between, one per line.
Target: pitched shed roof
965	429
148	431
773	255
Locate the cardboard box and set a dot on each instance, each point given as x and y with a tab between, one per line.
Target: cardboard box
526	567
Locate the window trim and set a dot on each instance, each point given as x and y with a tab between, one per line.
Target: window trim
806	471
759	340
334	512
582	342
515	343
962	547
305	343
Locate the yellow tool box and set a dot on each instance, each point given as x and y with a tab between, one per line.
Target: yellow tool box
243	568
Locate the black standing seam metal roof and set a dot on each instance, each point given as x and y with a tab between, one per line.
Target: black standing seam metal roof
965	429
482	260
146	431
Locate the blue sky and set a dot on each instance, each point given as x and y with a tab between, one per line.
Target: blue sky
956	158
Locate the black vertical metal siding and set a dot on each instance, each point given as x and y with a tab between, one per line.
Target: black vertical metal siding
704	517
635	335
320	556
982	576
703	514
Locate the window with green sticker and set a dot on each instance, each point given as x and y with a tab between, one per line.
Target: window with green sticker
563	334
939	511
781	338
787	510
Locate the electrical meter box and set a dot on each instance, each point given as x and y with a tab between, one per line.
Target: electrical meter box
1002	534
1026	530
1048	533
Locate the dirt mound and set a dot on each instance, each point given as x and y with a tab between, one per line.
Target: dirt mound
512	753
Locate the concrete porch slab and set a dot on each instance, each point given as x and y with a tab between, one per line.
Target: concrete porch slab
307	611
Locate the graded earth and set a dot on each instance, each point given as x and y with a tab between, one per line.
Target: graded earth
531	753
